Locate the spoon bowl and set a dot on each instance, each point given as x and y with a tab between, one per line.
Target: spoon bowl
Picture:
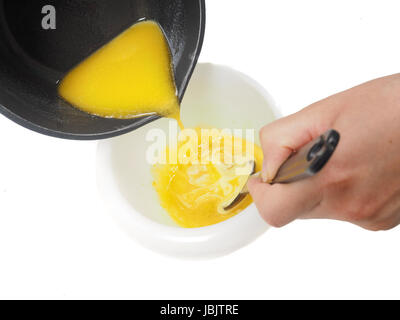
34	59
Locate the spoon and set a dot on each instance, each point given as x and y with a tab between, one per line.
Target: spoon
301	165
34	59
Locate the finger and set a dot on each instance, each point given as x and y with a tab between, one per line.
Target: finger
280	204
280	138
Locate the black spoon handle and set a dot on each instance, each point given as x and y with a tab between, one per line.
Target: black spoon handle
309	160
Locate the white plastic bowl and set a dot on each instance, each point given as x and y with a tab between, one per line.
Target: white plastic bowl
216	97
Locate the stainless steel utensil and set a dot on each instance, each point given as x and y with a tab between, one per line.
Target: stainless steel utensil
302	164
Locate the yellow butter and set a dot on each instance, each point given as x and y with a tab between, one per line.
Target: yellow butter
128	77
194	193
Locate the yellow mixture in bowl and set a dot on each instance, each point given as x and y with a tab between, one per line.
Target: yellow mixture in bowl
193	191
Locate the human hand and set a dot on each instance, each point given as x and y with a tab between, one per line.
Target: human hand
361	182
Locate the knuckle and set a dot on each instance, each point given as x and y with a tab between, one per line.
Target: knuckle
268	130
358	211
381	226
273	221
386	226
273	218
371	228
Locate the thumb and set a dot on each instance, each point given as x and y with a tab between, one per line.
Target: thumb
284	136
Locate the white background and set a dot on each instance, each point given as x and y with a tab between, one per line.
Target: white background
57	241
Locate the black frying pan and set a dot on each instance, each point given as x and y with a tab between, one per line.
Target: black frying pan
32	59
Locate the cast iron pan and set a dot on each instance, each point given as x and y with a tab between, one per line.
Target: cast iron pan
33	60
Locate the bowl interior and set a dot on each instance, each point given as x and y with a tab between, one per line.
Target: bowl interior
217	97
